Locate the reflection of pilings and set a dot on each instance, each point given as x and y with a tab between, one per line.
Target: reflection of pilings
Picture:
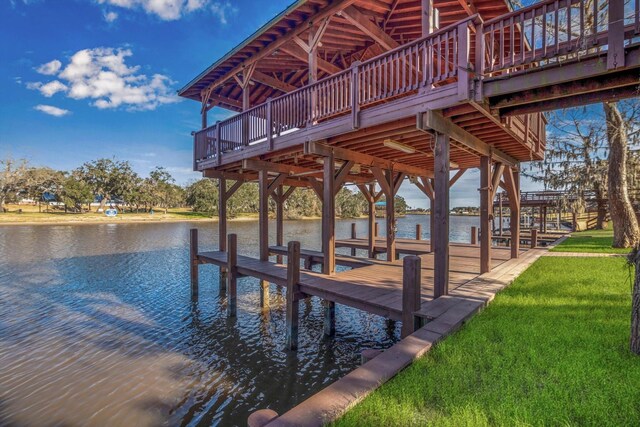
193	257
293	294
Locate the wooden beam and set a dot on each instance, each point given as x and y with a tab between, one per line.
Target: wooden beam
440	230
433	120
361	21
263	211
456	177
320	149
300	54
265	79
512	184
486	204
328	217
329	10
218	99
498	170
341	175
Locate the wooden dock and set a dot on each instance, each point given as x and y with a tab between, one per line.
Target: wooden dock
375	286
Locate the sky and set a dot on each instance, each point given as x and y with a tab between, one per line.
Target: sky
85	79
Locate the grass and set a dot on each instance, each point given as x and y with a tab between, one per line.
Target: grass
591	241
552	349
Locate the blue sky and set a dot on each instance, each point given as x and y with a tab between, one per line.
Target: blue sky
83	79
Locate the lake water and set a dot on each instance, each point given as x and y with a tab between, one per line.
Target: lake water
97	327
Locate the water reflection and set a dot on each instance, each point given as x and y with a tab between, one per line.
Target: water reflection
97	327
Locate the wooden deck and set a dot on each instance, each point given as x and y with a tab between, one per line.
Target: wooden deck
374	288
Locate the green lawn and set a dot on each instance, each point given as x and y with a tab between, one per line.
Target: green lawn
552	349
594	241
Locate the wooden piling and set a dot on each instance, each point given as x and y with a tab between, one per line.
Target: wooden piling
485	214
329	318
376	229
232	275
353	236
534	238
418	231
293	293
474	235
440	234
411	274
193	257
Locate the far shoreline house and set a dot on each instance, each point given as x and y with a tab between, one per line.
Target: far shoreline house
378	93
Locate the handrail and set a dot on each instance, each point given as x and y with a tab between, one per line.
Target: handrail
437	59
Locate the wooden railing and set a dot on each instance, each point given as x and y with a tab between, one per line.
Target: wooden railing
425	64
556	31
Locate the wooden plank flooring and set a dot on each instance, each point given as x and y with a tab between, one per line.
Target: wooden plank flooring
375	288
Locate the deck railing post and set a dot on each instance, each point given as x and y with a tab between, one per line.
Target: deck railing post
269	124
218	144
232	274
479	61
418	231
293	293
193	257
534	238
353	236
411	298
355	94
474	235
463	61
615	49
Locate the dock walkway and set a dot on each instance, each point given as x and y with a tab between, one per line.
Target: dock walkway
375	288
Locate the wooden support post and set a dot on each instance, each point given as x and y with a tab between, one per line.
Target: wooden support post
432	220
544	219
328	217
279	220
500	214
353	236
355	95
329	318
193	260
426	17
293	294
263	227
474	235
440	235
222	224
376	228
418	231
232	275
574	221
485	218
512	182
391	219
534	238
541	219
373	225
411	298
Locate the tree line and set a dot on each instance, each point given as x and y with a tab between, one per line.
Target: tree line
113	182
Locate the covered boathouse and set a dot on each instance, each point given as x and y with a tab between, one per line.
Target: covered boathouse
378	93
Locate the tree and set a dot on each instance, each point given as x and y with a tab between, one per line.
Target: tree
109	179
12	178
625	224
161	183
74	192
244	200
350	204
202	196
302	203
40	181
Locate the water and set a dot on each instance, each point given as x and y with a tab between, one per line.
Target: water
97	328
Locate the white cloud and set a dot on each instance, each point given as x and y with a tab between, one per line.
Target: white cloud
50	68
51	110
102	75
170	10
110	16
222	10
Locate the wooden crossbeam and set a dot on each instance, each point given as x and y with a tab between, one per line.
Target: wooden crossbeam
324	12
434	120
456	177
319	149
272	82
300	54
361	21
214	100
498	170
341	175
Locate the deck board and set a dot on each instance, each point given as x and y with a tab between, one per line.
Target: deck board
377	286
